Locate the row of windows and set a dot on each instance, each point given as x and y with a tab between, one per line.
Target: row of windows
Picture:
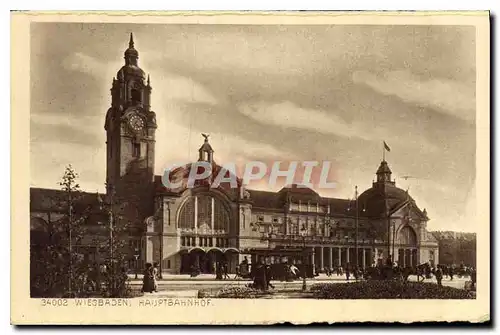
308	220
308	207
203	241
296	230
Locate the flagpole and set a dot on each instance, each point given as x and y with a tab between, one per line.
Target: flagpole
383	152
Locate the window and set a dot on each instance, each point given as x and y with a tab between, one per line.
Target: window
137	150
168	264
136	95
407	236
204	218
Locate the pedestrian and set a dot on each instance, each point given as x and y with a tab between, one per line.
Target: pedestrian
268	277
147	279
450	272
218	271
260	281
473	277
225	269
155	277
347	271
439	275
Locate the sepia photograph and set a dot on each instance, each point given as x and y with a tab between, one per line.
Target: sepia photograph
197	163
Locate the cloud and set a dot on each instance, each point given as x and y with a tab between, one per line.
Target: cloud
48	160
288	115
83	63
168	86
453	97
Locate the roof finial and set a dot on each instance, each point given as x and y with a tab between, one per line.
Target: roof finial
131	42
148	81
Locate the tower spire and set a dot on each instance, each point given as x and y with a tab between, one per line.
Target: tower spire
131	42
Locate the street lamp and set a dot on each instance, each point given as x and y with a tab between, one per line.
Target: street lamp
393	240
136	256
303	233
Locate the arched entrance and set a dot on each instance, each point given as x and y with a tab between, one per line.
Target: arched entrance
407	252
203	222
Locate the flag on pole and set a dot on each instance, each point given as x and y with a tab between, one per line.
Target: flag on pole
386	147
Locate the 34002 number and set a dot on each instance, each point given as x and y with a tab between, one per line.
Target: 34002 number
55	302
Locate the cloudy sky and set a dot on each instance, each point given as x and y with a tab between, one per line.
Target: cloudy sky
269	93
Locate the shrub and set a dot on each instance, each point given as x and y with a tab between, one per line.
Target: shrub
232	292
387	289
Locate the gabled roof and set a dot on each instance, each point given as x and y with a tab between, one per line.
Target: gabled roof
453	235
294	194
266	199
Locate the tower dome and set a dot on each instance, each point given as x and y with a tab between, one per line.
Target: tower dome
131	67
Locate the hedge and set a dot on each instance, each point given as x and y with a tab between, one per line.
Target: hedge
232	292
387	289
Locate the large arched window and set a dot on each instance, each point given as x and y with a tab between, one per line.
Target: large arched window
407	236
204	213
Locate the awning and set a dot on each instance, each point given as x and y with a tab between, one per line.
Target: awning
214	249
228	250
195	249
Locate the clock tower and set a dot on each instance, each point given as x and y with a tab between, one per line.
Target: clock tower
130	131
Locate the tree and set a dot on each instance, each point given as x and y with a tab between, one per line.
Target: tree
54	262
120	215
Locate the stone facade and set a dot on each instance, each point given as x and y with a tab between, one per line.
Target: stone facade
456	248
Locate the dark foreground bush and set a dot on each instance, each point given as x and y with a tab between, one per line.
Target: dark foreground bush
232	292
387	289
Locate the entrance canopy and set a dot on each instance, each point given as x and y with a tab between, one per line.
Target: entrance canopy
209	249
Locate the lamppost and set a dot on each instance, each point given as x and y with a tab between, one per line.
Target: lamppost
357	229
303	234
108	207
393	239
136	256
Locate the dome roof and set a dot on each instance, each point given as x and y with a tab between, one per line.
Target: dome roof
374	199
131	52
383	168
180	175
131	70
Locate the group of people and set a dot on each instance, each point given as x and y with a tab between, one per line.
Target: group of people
262	273
449	271
395	271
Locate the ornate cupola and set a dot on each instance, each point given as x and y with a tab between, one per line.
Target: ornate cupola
384	174
206	153
131	55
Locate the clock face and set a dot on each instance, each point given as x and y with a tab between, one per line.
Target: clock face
136	123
